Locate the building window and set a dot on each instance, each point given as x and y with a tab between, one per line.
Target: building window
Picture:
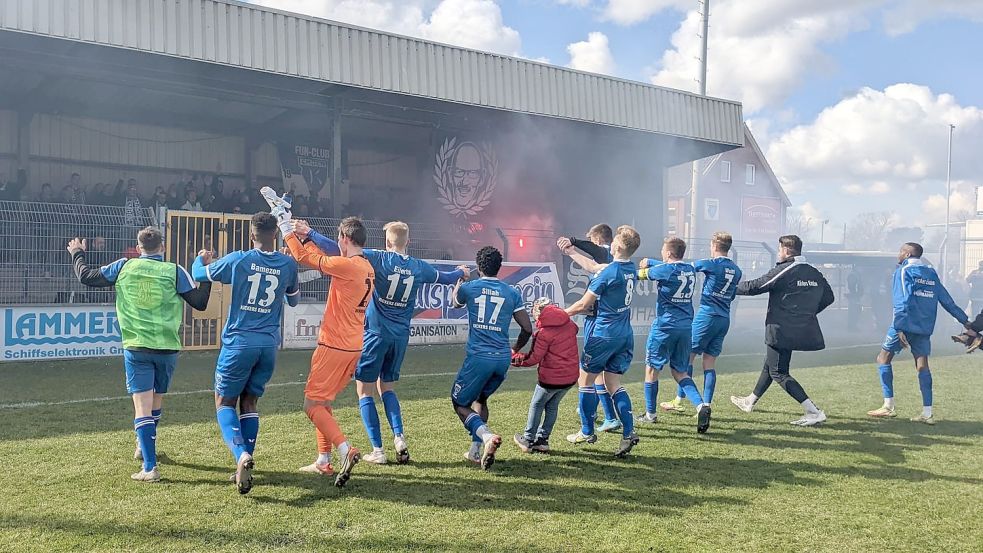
749	174
724	171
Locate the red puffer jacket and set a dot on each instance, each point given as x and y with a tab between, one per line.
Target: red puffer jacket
554	349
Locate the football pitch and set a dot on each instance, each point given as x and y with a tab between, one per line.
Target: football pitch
754	483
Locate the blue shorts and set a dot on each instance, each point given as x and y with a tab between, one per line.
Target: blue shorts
668	347
611	355
708	334
921	344
244	370
382	356
478	379
148	371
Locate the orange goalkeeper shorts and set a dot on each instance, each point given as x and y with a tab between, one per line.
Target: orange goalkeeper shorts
331	371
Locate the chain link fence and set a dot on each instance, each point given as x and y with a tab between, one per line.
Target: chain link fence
35	267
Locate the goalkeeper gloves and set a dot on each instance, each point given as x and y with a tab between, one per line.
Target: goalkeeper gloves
283	221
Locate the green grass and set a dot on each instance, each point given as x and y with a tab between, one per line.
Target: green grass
754	483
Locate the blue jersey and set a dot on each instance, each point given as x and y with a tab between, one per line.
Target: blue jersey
917	295
491	304
676	284
260	282
614	287
397	279
722	276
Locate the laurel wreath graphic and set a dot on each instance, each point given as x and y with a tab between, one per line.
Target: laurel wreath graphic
445	185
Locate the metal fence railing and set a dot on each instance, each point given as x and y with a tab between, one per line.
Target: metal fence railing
34	264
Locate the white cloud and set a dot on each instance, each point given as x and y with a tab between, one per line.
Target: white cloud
962	202
575	3
630	12
905	15
592	55
469	23
890	144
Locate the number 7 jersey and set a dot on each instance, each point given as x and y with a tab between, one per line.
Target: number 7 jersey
676	284
491	304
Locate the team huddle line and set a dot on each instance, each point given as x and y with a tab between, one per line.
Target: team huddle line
366	326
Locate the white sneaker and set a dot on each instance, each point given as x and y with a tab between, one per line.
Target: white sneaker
473	455
376	457
314	468
743	403
491	444
402	451
152	475
647	418
244	473
811	419
272	199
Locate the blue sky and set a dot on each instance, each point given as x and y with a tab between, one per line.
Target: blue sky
850	99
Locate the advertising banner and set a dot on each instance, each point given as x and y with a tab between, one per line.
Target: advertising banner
60	332
435	319
761	219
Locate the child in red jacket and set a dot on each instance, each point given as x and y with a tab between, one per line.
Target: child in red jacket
555	350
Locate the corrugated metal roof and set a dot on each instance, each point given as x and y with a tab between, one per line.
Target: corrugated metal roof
259	38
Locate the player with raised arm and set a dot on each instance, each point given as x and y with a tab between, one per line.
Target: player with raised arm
398	277
669	340
598	247
339	342
492	305
149	308
609	339
917	292
261	279
712	321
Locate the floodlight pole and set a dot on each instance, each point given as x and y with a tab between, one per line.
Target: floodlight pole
694	189
948	198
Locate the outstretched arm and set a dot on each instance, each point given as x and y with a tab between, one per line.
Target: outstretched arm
597	253
583	305
945	299
760	285
91	276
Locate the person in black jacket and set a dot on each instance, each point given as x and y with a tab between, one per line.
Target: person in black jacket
797	292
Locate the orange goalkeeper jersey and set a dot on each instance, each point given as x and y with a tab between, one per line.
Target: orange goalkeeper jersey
348	296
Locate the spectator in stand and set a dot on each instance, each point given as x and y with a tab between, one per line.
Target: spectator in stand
132	206
174	199
160	199
198	184
300	206
245	203
215	199
975	282
46	195
191	200
67	194
77	192
97	193
11	189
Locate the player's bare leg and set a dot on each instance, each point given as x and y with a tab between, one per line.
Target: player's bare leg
399	440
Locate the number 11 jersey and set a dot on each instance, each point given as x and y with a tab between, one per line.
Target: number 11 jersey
259	280
491	304
397	279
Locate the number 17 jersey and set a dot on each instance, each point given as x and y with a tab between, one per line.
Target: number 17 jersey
491	304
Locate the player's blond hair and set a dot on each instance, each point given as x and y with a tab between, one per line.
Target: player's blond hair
722	241
397	234
629	239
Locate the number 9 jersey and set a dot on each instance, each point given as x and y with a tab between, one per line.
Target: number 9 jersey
491	304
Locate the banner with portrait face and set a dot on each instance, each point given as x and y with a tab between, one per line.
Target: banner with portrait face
465	174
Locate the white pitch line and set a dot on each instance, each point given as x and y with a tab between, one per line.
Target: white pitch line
31	404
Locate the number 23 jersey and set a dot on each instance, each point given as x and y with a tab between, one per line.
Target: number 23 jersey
491	304
677	281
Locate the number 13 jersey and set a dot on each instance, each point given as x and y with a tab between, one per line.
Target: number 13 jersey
491	304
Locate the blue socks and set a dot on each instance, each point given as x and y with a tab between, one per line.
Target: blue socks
887	380
688	387
588	407
623	403
473	423
249	426
228	423
925	385
651	396
606	402
370	418
680	393
709	383
146	430
156	415
393	413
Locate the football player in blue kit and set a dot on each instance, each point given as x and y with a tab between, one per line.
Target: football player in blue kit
398	277
712	321
261	278
670	338
609	339
492	305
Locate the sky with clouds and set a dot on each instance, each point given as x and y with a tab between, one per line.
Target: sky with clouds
850	99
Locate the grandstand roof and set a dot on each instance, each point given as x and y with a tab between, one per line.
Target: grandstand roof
337	56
